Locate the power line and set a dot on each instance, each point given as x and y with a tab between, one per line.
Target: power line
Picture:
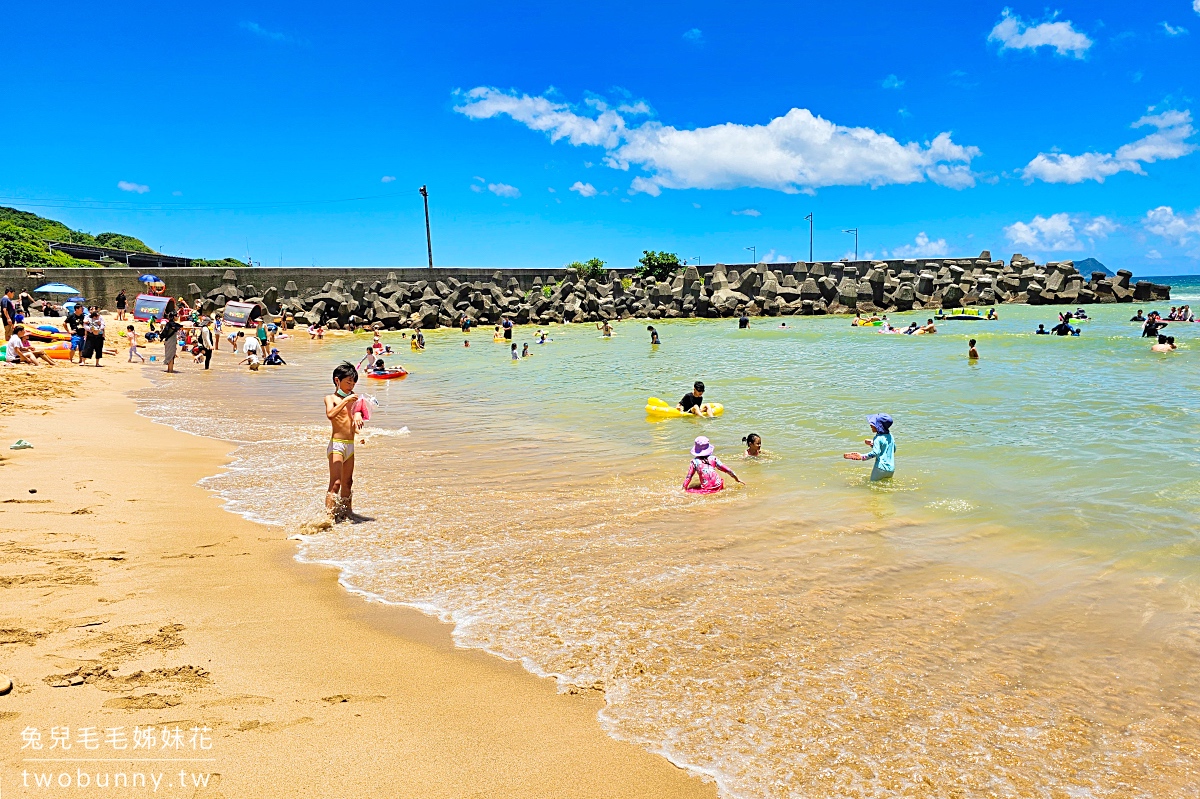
127	205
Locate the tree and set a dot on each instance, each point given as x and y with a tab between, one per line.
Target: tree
658	265
119	241
592	268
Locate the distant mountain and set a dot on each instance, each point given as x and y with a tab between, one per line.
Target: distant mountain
1089	265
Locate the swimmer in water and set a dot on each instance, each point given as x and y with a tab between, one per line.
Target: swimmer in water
467	342
706	465
605	328
1165	344
753	444
653	335
972	353
515	355
542	337
525	353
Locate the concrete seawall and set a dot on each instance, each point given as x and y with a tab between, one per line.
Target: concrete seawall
100	285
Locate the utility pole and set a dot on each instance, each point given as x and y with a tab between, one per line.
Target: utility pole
753	254
428	237
854	230
810	237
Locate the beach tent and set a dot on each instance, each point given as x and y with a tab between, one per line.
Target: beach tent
149	306
242	314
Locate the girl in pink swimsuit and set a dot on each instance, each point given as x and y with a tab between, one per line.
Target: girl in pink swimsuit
706	465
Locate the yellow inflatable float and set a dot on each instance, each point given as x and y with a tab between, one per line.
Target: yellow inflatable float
657	407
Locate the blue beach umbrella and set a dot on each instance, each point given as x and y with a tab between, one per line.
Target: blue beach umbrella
56	288
149	279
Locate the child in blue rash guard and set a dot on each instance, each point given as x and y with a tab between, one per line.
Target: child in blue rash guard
883	448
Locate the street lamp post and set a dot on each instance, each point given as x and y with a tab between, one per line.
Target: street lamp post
854	230
810	237
428	237
753	255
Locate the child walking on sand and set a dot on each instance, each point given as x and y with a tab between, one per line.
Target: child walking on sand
131	335
883	448
340	410
705	465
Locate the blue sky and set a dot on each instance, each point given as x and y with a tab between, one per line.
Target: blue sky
549	133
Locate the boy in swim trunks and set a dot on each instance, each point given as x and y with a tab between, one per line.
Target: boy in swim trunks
340	411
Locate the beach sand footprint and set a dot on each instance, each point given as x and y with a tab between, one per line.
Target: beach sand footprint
150	701
338	699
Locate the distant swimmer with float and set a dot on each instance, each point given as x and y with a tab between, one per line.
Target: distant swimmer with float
707	467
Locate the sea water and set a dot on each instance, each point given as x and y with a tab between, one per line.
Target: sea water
1014	614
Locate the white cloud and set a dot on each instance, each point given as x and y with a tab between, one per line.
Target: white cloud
1100	227
552	190
176	194
1179	228
584	189
773	257
125	185
922	246
795	152
747	212
640	108
1155	254
697	205
892	82
1174	30
388	179
640	185
1196	6
1041	234
504	190
1167	142
695	36
475	187
1012	33
258	30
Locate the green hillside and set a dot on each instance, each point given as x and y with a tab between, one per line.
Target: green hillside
23	238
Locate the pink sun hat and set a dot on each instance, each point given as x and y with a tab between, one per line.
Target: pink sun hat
702	448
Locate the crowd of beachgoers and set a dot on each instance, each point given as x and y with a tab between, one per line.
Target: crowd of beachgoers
82	336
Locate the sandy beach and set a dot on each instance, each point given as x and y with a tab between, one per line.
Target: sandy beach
131	599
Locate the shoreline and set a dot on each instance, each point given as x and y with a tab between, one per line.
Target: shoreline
206	619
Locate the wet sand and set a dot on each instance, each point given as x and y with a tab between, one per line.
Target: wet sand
129	597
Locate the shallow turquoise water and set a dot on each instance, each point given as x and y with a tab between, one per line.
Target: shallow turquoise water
1014	614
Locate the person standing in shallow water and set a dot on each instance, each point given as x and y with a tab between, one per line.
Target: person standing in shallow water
883	448
653	335
341	409
972	353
